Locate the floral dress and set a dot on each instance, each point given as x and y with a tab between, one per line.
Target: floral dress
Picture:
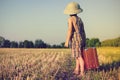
78	39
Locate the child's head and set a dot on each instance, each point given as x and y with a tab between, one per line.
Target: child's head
73	8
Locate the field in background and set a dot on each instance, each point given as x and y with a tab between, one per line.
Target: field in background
55	64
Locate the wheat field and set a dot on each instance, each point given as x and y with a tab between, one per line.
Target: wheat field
55	64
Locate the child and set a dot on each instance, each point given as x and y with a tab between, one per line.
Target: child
76	35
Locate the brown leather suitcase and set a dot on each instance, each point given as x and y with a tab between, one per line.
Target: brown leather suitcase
90	58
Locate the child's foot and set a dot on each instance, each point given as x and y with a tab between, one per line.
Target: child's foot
76	72
81	75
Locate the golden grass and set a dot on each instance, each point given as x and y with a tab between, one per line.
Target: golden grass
49	64
108	54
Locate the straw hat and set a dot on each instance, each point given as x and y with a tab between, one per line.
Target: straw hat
73	8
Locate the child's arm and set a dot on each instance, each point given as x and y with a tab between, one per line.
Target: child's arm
69	33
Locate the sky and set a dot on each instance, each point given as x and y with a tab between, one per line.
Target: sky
44	19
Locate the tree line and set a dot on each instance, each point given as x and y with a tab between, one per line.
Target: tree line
39	43
95	42
111	42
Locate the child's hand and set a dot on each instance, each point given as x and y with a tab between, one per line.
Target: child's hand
66	44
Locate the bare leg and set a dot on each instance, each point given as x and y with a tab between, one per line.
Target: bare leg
77	68
81	62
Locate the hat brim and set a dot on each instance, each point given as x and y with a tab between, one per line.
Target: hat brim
73	11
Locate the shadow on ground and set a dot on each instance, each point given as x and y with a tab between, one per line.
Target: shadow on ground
108	67
104	72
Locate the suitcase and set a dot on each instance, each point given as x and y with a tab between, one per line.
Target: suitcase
90	58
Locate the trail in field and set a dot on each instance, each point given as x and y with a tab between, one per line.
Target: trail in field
66	70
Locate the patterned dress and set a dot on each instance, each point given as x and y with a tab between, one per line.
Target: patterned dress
78	39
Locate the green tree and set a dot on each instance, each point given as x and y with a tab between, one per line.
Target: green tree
7	44
62	44
13	44
31	44
40	44
21	44
94	42
87	42
56	46
111	42
2	40
28	44
48	45
117	42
